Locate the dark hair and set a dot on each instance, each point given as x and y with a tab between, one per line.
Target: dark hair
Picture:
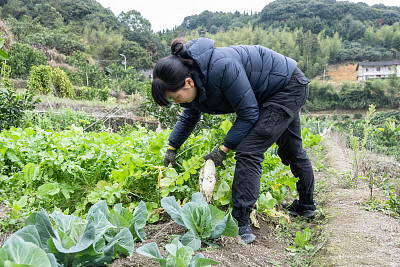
170	72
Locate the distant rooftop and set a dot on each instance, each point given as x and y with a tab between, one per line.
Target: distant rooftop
379	63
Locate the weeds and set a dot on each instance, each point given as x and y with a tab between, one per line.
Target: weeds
390	207
346	179
358	145
59	120
300	248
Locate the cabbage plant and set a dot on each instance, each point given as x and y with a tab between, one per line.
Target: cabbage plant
203	220
178	255
72	241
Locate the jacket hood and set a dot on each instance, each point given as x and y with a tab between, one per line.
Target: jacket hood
200	50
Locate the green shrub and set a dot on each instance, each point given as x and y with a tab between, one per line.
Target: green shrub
22	58
40	79
12	104
351	95
61	83
65	43
85	93
345	117
102	94
322	96
357	116
91	93
130	80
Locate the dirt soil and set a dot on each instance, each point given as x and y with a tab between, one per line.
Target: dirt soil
264	251
354	236
343	73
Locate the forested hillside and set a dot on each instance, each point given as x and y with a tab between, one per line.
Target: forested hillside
367	32
83	25
315	33
88	42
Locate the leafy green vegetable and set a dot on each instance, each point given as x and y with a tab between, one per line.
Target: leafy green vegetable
266	201
23	248
178	255
301	241
72	241
47	169
205	221
121	217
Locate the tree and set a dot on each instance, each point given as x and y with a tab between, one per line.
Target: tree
23	27
65	42
300	40
137	57
369	36
385	33
15	8
85	73
356	30
48	16
3	54
12	104
73	10
138	29
396	41
103	43
336	46
213	29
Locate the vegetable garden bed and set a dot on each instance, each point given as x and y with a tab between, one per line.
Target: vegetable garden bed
64	176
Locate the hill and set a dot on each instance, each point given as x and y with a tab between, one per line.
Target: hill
71	26
349	19
367	32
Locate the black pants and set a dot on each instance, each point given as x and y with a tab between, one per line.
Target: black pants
279	122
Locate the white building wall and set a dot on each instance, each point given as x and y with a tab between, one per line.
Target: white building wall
367	72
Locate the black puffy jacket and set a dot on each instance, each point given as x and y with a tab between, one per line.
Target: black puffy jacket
231	79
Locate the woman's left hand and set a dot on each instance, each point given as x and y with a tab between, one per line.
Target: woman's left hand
217	155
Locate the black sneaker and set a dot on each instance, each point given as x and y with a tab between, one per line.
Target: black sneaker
245	234
298	209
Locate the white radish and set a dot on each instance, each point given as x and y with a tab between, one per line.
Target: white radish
207	179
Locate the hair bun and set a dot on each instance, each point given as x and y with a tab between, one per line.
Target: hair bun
176	49
177	46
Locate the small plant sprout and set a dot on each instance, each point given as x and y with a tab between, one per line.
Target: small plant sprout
301	241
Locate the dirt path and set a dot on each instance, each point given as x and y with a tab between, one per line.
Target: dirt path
356	237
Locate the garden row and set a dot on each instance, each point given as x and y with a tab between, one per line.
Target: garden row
106	234
48	169
93	175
